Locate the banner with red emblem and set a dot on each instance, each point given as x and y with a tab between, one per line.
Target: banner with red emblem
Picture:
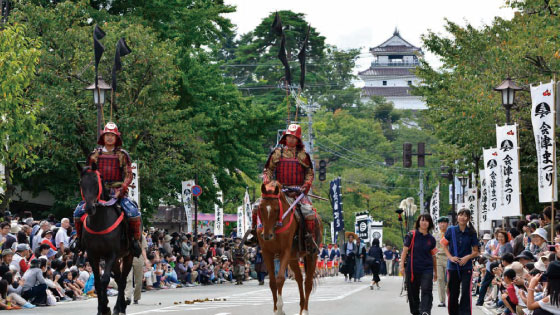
484	222
508	163
542	118
493	182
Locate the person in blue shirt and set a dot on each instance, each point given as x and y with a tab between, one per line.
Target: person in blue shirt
461	246
389	260
419	250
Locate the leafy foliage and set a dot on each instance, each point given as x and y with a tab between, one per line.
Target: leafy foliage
20	131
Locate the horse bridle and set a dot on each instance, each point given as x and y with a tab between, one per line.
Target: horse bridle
100	191
280	206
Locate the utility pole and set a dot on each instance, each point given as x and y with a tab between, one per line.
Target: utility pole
310	108
421	193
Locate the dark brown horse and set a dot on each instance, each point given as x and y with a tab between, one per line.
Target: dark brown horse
105	236
276	237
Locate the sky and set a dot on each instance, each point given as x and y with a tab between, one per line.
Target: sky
368	23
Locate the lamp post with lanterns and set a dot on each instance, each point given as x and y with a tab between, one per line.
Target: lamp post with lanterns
508	89
99	100
464	179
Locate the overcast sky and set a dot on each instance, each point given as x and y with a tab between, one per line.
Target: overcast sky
368	23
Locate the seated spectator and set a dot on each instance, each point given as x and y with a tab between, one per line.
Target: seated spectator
14	294
509	298
35	288
538	242
550	304
6	239
19	260
7	255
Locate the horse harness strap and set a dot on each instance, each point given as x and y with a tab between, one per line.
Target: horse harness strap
107	230
282	214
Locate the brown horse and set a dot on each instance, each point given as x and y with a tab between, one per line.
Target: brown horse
276	237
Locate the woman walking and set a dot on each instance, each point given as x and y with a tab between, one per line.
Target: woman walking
419	254
461	246
374	260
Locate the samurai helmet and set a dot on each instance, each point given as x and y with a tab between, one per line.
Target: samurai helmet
293	130
110	127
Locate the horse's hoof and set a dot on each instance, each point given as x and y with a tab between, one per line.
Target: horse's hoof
305	312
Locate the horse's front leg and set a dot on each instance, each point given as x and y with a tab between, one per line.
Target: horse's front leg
294	265
281	277
105	279
268	258
101	290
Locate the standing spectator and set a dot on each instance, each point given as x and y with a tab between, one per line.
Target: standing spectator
349	253
186	246
396	260
260	267
62	238
360	259
461	246
375	258
137	273
441	260
420	265
389	260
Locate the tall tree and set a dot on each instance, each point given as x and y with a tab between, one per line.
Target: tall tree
20	130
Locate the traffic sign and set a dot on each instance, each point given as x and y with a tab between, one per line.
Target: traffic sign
196	190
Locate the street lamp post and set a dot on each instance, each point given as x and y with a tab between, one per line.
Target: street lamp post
99	100
508	89
464	180
451	176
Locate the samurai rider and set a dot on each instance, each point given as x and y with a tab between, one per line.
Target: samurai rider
291	166
114	166
239	258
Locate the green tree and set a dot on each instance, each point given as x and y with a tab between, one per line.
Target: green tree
20	131
464	109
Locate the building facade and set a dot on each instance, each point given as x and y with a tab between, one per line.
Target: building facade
391	73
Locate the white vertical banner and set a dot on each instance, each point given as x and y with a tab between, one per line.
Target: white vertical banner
542	118
434	207
471	203
333	240
248	212
493	182
508	163
219	215
187	197
134	188
484	220
240	221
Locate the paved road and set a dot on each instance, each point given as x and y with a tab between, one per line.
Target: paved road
332	296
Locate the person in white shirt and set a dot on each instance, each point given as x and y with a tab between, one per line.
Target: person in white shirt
62	238
43	226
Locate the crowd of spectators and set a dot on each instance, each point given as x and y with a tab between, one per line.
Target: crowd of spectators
518	271
39	269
